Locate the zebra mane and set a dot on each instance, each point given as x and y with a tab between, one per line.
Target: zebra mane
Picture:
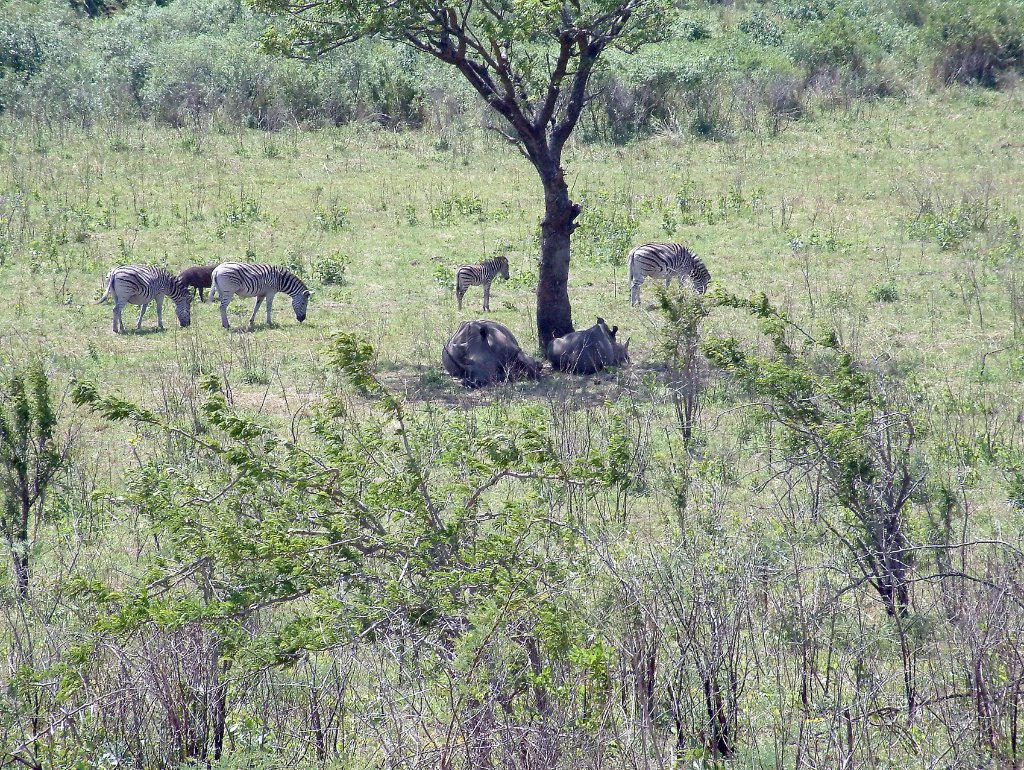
290	283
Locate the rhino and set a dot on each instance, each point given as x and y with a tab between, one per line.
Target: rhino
485	353
587	351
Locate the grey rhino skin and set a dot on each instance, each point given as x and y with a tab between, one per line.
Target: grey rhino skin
587	351
486	353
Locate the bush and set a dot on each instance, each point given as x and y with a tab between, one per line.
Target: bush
332	218
762	29
885	292
836	43
330	269
36	43
977	40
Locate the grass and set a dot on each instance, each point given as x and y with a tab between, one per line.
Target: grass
821	219
818	218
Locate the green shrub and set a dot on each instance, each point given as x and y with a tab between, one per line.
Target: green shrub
330	269
839	42
762	29
976	41
332	217
37	46
444	276
949	227
456	207
607	229
295	261
690	29
885	292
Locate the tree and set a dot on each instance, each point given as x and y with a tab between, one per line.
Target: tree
530	60
30	457
837	419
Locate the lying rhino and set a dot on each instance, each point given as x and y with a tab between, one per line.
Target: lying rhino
588	351
485	353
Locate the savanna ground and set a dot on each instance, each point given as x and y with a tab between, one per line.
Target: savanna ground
819	218
894	222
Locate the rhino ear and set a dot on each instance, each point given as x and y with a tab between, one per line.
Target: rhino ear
601	321
615	330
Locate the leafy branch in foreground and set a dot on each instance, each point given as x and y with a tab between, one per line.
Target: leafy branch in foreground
854	427
31	456
430	527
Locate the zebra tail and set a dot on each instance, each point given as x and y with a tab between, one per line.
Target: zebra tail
110	287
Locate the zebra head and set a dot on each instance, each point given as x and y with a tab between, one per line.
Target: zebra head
503	267
182	299
300	301
700	277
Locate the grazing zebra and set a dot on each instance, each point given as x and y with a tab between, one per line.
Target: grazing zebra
480	275
668	261
140	285
260	281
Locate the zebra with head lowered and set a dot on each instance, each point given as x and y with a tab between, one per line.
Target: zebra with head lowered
142	284
260	281
668	261
480	275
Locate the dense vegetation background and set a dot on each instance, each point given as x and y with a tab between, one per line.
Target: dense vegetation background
718	68
788	535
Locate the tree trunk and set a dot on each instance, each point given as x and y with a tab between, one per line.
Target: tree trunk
21	571
554	314
220	703
19	549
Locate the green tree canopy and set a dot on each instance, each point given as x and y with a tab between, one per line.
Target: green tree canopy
530	60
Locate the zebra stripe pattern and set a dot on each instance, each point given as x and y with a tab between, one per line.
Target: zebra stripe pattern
668	261
260	281
142	284
480	275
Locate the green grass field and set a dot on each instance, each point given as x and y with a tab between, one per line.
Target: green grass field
817	218
897	223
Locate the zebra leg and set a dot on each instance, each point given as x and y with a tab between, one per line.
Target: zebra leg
459	295
225	298
141	313
270	302
118	323
252	318
634	292
160	311
487	298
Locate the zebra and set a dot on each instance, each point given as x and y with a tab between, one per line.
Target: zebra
480	275
140	285
260	281
668	261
